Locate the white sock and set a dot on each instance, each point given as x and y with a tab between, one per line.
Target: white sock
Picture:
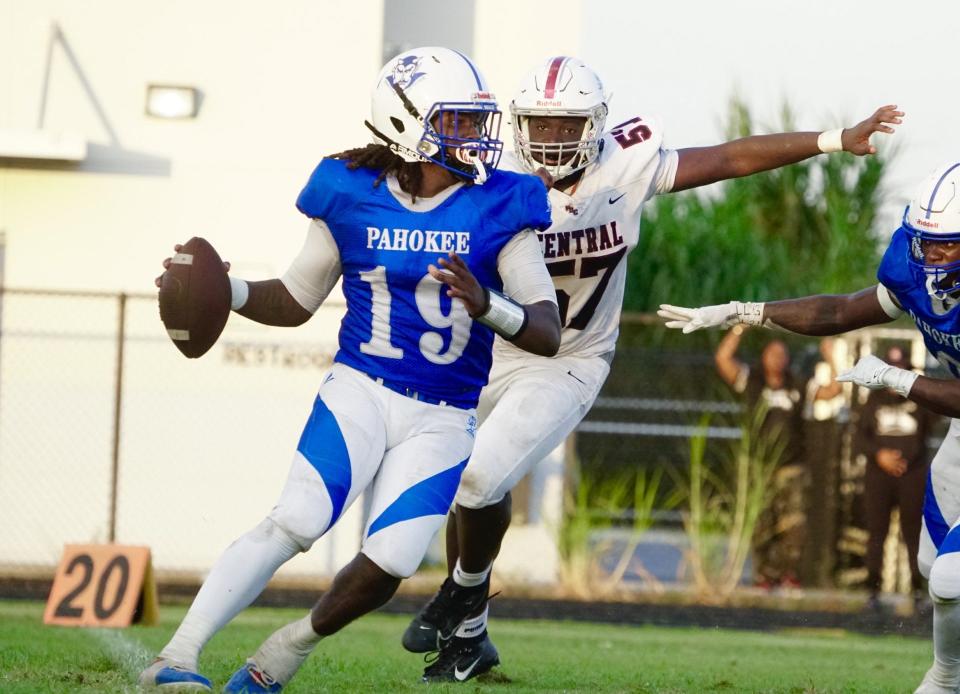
946	644
467	580
238	577
282	654
473	626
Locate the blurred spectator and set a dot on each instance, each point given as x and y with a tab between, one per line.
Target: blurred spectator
779	538
825	409
892	433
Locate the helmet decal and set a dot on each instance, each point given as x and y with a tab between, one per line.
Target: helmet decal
405	72
931	218
556	65
936	189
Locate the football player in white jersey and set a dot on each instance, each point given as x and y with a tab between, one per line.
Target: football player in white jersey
602	179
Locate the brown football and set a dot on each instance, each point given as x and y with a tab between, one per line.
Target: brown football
195	297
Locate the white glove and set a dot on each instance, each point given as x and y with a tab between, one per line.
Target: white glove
720	316
873	373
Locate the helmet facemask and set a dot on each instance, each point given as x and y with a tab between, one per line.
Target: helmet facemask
568	157
942	281
463	137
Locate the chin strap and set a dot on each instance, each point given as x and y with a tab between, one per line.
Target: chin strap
394	146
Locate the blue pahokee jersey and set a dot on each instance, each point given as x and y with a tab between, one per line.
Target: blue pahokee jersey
938	320
400	325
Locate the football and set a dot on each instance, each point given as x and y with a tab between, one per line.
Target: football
195	297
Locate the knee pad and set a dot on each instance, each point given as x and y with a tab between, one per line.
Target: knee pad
270	530
945	578
399	549
301	532
477	489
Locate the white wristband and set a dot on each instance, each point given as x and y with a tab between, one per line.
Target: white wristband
749	312
239	293
504	316
899	380
831	141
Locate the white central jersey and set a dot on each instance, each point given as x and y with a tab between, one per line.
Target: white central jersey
594	229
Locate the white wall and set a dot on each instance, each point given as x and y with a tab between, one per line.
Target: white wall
206	444
281	87
512	38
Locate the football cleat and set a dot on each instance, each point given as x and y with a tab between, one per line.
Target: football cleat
439	619
460	660
250	679
168	676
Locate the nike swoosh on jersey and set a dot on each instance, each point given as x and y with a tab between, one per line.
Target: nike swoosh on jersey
462	675
613	200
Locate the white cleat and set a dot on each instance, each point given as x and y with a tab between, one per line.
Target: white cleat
167	676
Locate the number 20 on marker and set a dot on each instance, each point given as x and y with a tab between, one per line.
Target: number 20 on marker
100	585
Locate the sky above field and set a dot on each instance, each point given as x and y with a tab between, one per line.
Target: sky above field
835	62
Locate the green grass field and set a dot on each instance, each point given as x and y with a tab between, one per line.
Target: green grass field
537	656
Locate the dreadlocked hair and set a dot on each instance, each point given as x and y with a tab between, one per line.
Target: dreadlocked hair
374	156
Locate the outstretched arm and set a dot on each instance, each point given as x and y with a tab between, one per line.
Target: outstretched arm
819	315
830	315
699	166
936	394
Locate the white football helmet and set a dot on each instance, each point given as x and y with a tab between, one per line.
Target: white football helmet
413	93
934	216
560	87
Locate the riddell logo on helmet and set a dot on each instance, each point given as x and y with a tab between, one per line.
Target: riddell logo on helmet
927	223
549	102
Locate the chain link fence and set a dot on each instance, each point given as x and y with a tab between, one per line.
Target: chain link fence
108	434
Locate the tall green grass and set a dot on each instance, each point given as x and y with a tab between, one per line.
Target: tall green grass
724	503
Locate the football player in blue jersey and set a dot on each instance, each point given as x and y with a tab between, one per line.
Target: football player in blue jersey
920	276
436	254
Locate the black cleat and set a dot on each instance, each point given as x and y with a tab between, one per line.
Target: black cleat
439	619
462	659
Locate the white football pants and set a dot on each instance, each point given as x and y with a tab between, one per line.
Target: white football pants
530	405
361	434
939	555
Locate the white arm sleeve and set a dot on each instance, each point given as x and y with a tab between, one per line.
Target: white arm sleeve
525	277
666	171
888	303
316	269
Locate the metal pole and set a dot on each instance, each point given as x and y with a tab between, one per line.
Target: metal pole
117	409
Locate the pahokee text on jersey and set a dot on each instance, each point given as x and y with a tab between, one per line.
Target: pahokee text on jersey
400	325
594	229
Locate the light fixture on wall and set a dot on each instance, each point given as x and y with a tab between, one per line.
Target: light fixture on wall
172	101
